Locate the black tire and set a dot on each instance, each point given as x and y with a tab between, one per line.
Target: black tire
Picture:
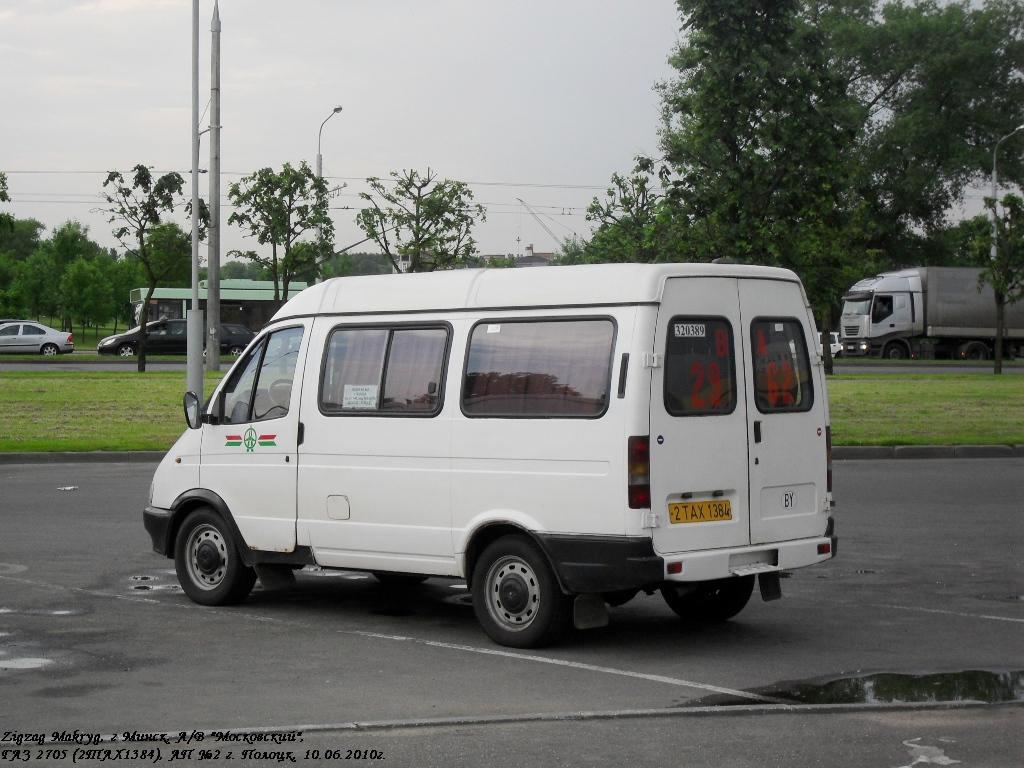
236	350
208	565
516	597
894	350
711	601
50	350
976	351
389	579
126	350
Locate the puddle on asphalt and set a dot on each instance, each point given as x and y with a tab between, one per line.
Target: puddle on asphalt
890	688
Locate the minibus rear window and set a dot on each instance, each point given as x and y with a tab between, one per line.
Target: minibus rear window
782	373
539	368
700	376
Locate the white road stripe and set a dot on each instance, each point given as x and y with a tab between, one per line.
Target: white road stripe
947	613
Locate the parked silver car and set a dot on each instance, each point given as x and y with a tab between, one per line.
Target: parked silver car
34	338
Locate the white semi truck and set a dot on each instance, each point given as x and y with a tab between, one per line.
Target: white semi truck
927	312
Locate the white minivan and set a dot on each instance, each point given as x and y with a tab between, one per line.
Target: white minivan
561	438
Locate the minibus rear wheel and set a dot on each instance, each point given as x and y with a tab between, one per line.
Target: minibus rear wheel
718	600
208	565
516	597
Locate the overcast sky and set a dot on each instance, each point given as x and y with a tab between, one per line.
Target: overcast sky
535	99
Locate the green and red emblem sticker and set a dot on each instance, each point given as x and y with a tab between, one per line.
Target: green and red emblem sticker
250	440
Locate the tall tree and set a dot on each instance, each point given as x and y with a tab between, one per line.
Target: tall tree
420	222
138	208
84	292
6	220
1005	272
278	208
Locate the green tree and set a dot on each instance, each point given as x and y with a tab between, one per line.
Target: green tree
22	238
1005	272
37	284
277	209
85	293
421	223
240	270
6	220
137	208
935	85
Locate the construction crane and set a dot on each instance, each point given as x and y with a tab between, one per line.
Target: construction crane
539	220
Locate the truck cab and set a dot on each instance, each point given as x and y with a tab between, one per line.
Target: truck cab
882	314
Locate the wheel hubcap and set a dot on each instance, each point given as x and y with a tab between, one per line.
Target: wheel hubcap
206	557
513	593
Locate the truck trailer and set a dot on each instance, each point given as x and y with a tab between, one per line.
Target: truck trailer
927	312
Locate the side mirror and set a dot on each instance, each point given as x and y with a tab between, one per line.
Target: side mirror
191	404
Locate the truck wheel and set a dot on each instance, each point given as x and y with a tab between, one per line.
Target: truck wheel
895	350
208	565
516	596
975	351
711	601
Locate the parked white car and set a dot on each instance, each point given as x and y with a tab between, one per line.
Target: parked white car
34	338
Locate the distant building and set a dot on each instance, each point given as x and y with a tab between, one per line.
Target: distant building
245	302
530	258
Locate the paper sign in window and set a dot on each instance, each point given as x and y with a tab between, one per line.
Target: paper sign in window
360	396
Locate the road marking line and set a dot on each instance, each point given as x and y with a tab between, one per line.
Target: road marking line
947	613
604	670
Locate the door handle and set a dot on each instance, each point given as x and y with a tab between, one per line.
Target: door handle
757	431
302	434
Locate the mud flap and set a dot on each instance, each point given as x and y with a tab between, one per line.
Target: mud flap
770	585
589	612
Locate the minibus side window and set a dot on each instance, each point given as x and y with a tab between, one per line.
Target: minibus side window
277	372
391	371
261	388
238	391
782	373
700	375
539	369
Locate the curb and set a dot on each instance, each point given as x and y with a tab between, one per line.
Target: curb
83	457
839	453
864	452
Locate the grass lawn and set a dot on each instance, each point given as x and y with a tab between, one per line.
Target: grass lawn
115	410
927	409
92	411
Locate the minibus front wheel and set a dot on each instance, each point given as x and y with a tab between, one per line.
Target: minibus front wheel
209	568
516	596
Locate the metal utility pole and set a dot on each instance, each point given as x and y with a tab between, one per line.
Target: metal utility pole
213	233
195	316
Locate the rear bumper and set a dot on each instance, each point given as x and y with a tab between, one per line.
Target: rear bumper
157	522
760	558
587	564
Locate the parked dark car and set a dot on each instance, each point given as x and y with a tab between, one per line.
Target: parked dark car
169	337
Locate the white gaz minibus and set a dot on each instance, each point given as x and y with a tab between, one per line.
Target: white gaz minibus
561	438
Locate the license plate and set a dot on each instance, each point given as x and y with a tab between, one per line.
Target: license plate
700	511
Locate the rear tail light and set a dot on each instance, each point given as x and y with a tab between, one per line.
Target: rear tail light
71	338
638	459
828	459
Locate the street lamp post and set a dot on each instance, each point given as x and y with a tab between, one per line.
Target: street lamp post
319	157
320	174
995	189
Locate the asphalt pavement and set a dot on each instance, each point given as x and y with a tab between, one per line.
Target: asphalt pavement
925	602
